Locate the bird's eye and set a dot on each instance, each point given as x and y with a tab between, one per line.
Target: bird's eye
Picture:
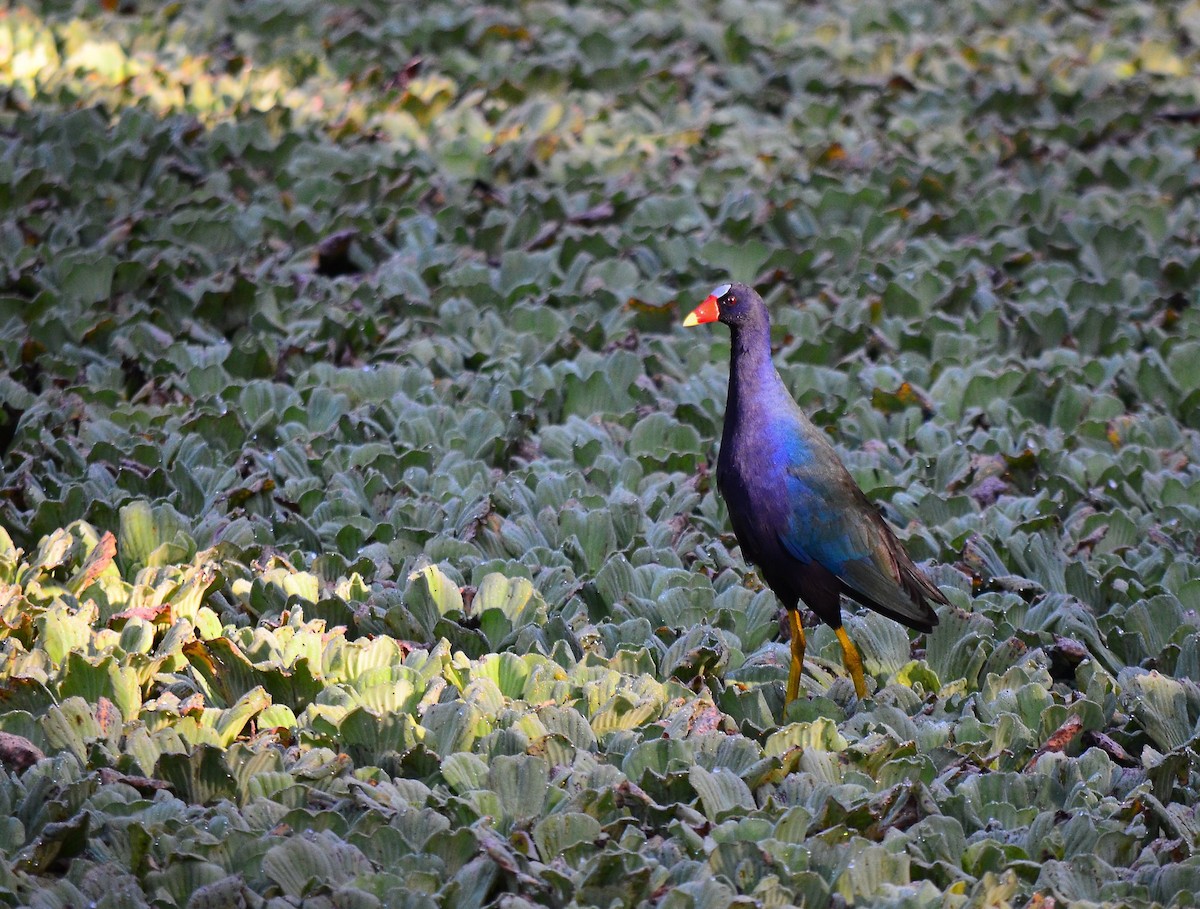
720	292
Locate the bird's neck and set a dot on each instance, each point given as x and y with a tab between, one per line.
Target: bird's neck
755	387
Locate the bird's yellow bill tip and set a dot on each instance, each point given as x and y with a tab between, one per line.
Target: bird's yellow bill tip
708	311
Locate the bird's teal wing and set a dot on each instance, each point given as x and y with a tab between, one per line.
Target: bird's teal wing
830	522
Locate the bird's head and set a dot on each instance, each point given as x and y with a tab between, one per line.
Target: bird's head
736	305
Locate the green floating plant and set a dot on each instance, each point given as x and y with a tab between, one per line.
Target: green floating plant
359	543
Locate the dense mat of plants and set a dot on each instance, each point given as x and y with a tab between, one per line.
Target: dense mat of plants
359	543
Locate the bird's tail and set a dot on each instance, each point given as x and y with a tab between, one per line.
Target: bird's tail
907	597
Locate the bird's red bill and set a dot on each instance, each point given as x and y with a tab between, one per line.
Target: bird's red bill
705	312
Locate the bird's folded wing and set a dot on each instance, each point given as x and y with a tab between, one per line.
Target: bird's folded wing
833	524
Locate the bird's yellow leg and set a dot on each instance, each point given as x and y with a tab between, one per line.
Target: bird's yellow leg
852	661
798	645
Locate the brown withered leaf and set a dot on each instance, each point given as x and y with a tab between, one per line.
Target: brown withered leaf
545	236
98	559
109	716
400	79
1059	740
705	718
1088	543
1110	747
597	213
17	753
146	613
142	784
656	309
1070	650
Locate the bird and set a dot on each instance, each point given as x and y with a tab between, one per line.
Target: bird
796	511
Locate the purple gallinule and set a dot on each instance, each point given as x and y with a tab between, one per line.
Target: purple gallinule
796	511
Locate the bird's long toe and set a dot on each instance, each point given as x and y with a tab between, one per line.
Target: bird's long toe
852	661
798	646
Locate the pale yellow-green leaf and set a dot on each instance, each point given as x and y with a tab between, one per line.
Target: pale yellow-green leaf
821	734
464	772
230	722
721	792
559	832
150	536
62	630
